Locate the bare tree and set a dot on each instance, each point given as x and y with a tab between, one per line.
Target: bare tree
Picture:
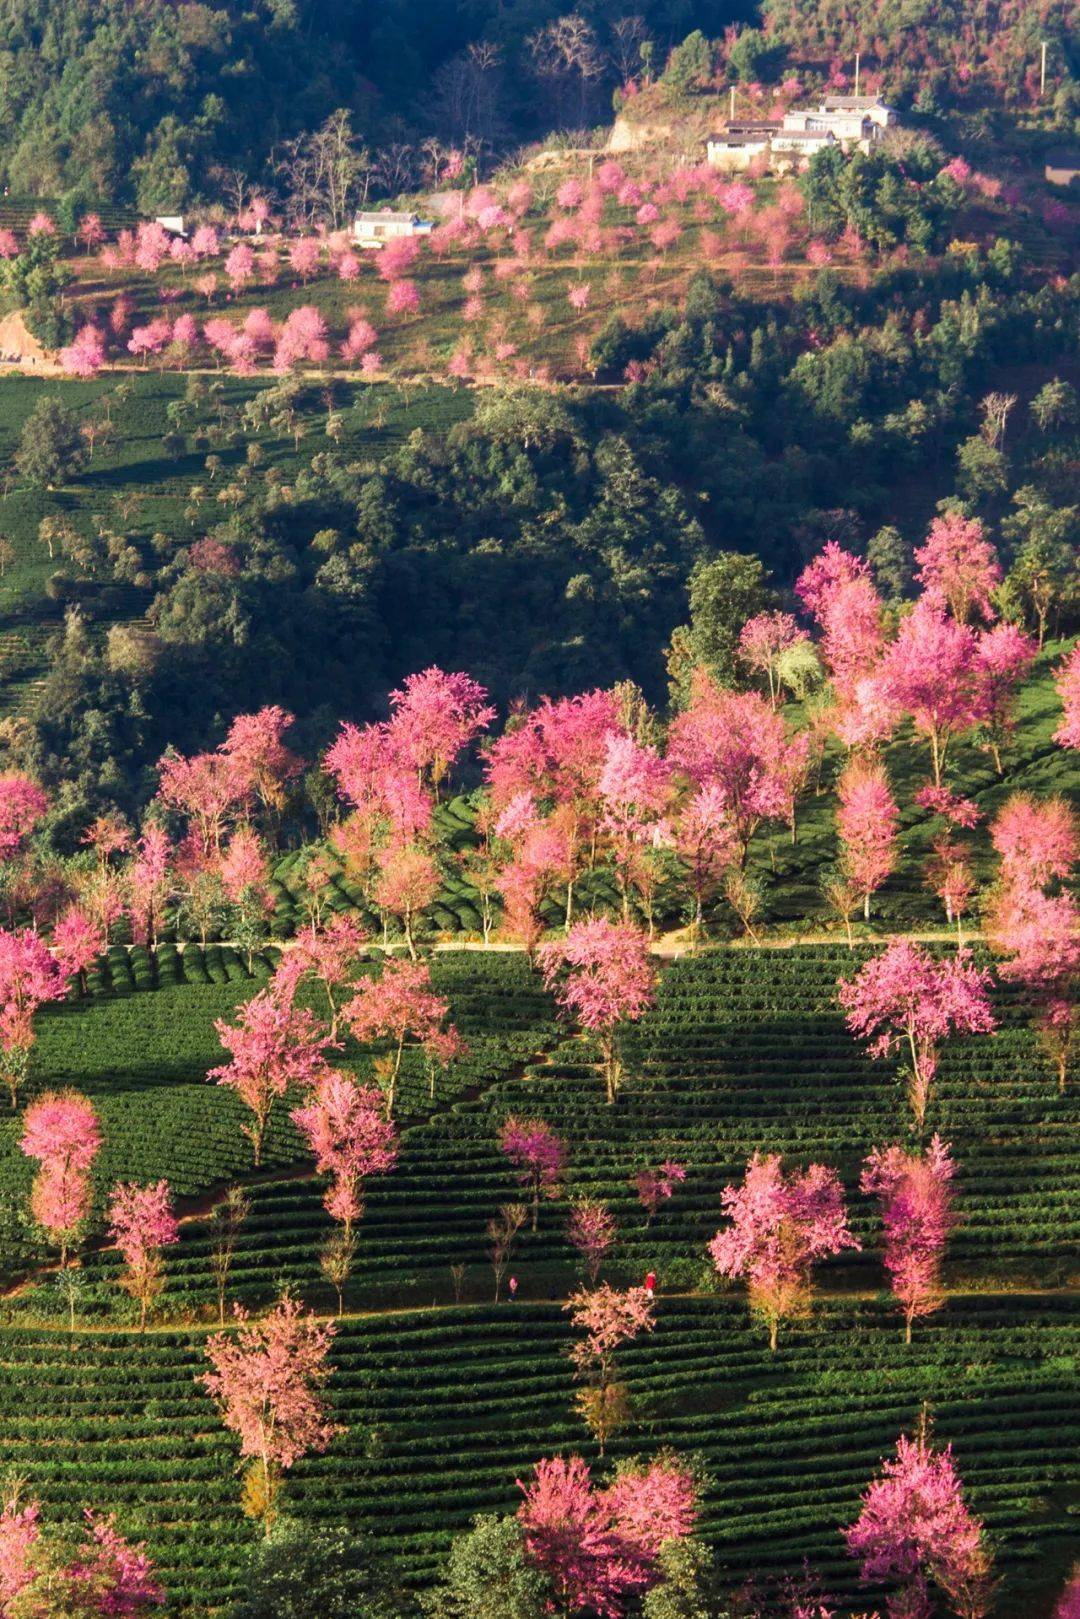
395	166
235	189
628	35
468	91
567	58
325	174
995	410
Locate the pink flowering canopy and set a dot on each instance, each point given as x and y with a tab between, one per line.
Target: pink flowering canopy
29	977
905	995
274	1045
600	1547
736	743
916	1532
22	805
538	1154
103	1576
781	1225
656	1186
1068	689
267	1379
142	1221
602	976
868	821
958	567
351	1139
932	673
915	1193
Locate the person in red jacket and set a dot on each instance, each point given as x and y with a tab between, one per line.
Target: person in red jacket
650	1283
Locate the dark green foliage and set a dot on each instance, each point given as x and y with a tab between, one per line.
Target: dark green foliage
487	1576
724	592
50	449
316	1571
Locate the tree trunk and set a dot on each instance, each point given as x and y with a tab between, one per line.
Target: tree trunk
774	1329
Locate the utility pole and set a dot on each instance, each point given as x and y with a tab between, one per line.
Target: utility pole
858	55
731	105
1042	70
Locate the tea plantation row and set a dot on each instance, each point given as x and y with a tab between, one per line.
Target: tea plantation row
445	1409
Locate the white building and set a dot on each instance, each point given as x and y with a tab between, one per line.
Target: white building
869	106
173	223
844	121
377	228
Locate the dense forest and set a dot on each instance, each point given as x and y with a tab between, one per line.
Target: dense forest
158	104
158	107
551	543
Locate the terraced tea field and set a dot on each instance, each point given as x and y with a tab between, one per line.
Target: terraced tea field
448	1403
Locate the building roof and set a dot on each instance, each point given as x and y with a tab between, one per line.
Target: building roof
386	216
850	103
751	126
735	141
810	135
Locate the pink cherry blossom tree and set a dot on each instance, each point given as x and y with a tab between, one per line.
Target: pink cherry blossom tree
958	567
45	1573
351	1139
707	847
601	1548
608	1318
398	1007
1004	654
734	741
273	1045
1036	932
556	756
77	941
915	1193
434	717
539	1156
261	762
904	995
1068	1605
149	882
142	1222
22	806
330	955
267	1380
838	591
61	1131
85	355
868	821
932	673
591	1229
1068	689
781	1225
208	788
763	640
407	882
656	1186
915	1530
601	976
635	787
29	976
